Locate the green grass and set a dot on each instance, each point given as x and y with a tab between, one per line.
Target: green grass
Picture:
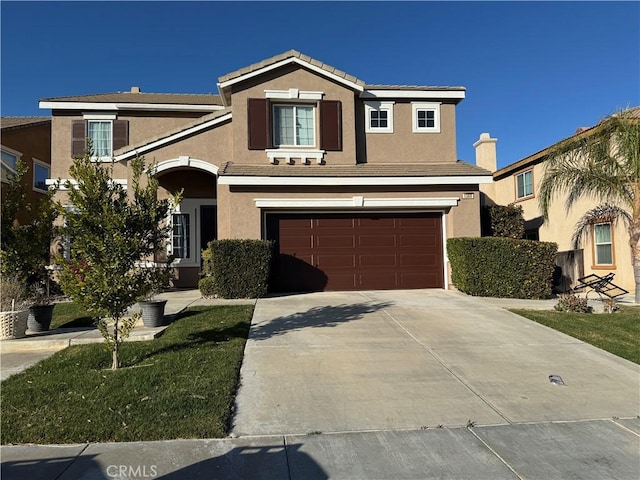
618	333
180	385
68	315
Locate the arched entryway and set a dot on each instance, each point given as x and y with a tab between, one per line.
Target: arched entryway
194	219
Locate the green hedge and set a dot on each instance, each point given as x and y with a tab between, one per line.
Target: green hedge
502	267
506	221
240	267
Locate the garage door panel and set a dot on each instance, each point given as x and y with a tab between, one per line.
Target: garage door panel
335	241
377	260
347	251
376	241
333	260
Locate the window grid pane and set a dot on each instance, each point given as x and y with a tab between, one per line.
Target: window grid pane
9	159
524	184
304	125
426	119
283	125
602	239
181	238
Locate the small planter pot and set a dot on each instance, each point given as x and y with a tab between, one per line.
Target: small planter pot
39	319
153	312
13	324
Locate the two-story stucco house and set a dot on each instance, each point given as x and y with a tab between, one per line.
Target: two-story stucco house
607	248
359	185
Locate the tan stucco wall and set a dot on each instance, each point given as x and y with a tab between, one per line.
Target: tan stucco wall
404	146
559	228
240	218
293	77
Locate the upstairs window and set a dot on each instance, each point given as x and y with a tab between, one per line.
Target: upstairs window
603	244
524	185
426	117
9	163
293	125
106	134
100	134
41	172
379	117
286	125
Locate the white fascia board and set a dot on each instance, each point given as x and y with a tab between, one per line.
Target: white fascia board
319	181
286	61
457	94
60	183
128	106
356	202
171	138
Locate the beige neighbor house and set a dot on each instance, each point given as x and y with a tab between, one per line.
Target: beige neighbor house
27	139
359	185
607	248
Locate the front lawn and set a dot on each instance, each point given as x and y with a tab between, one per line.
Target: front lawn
618	333
68	315
180	385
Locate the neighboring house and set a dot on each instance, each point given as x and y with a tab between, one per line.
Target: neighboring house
359	185
27	139
607	249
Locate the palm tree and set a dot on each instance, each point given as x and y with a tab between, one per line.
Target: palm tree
601	163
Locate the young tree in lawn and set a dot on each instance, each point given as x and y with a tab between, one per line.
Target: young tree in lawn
113	235
602	163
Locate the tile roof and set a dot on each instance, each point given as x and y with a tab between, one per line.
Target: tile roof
451	169
284	56
15	122
169	133
413	87
151	98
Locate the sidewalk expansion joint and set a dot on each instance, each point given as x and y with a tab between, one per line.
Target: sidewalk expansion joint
496	454
73	461
446	367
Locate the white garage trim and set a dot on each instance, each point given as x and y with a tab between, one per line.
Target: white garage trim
355	202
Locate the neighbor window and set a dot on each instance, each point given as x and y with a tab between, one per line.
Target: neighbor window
100	134
426	117
603	246
9	164
379	117
181	237
41	172
293	125
524	185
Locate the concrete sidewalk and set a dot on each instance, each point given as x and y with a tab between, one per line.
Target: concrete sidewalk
606	449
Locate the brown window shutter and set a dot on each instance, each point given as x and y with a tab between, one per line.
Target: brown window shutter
120	134
331	125
258	116
78	138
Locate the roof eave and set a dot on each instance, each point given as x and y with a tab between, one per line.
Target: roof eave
119	106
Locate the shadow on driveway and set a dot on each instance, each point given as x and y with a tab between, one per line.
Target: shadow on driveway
324	316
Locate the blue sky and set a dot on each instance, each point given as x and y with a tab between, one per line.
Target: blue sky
534	72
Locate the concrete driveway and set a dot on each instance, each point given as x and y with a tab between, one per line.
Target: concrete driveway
395	360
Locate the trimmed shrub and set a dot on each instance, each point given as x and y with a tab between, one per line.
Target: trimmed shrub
572	303
207	287
207	261
506	221
502	267
241	268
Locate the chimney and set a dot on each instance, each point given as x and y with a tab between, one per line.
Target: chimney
486	152
135	89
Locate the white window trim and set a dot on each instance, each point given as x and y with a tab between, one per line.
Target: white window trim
293	94
295	105
13	152
596	260
525	195
288	155
431	106
101	118
378	106
33	179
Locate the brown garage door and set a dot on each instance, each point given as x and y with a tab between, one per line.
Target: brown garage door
335	251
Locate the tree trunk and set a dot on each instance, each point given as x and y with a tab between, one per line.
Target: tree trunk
116	341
